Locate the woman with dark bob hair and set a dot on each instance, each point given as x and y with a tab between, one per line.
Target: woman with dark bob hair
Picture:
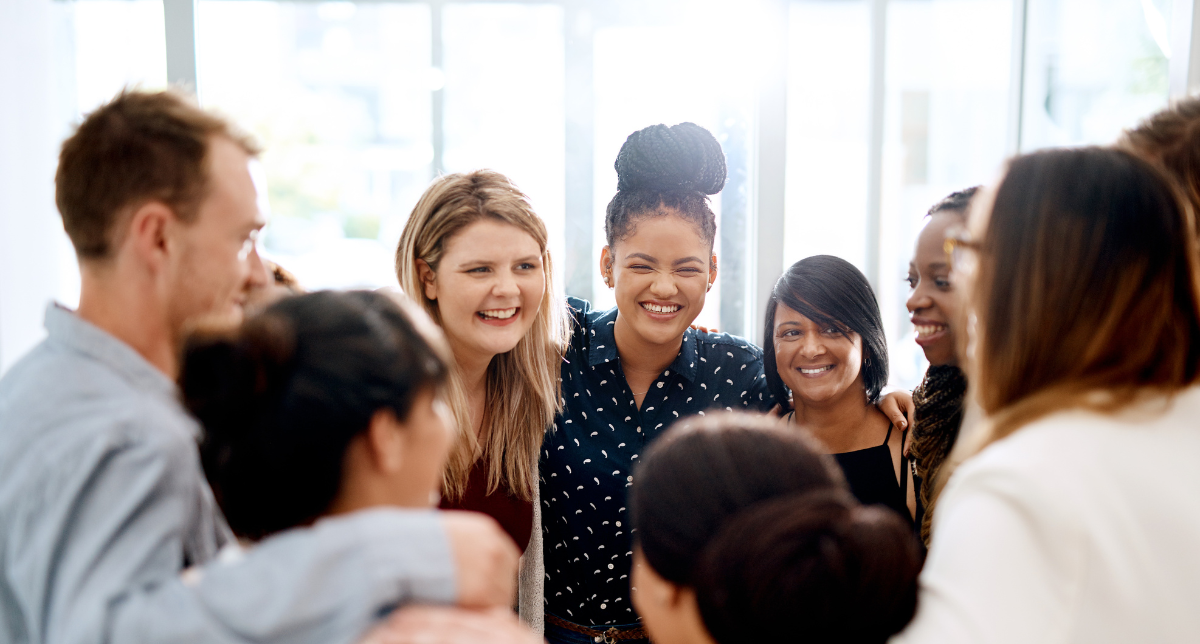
826	362
745	533
1076	519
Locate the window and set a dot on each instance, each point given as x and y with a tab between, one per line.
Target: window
842	120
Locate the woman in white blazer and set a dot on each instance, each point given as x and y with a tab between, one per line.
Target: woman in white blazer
1078	519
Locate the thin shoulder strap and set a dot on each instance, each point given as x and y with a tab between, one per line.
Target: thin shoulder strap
889	434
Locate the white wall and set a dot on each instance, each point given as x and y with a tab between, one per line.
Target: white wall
35	257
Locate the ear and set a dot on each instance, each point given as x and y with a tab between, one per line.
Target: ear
428	279
606	262
385	442
712	271
149	231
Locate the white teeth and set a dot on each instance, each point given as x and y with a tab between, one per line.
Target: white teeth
925	330
656	308
817	370
499	314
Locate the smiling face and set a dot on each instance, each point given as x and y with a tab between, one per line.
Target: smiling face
488	288
818	362
661	273
934	302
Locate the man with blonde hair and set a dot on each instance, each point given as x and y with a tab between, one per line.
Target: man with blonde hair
103	502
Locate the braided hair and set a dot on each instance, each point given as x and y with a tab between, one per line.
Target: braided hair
666	170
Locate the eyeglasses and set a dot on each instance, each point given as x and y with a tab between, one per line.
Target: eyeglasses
956	246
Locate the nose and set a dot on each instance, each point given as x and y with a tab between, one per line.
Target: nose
505	285
259	276
811	346
663	286
918	300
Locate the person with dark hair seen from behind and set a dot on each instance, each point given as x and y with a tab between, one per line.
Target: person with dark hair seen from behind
633	370
281	453
103	502
1076	519
827	362
745	533
935	307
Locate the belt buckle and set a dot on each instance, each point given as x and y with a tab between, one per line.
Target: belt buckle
609	637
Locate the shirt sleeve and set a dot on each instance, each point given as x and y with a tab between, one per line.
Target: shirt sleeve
1002	564
115	575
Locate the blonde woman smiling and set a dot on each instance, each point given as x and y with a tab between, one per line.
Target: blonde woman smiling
474	254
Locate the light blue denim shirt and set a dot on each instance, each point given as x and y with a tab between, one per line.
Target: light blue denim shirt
103	503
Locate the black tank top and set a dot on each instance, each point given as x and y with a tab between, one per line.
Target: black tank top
872	477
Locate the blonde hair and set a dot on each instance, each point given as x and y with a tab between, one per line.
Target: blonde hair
1087	293
523	392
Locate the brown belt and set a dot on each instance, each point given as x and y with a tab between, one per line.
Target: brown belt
611	636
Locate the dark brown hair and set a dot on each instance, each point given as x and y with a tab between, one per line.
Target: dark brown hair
760	524
1086	293
281	398
1171	140
139	147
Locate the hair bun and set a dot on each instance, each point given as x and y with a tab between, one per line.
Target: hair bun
662	159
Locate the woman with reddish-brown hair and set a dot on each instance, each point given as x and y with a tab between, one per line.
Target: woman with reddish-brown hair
1077	519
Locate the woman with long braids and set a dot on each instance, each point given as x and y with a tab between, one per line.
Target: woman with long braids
633	370
935	308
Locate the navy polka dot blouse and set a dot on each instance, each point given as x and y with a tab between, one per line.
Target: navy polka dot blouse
588	461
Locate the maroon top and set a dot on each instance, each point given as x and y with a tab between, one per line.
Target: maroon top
513	514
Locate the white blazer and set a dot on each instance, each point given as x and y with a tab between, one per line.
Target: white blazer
1079	527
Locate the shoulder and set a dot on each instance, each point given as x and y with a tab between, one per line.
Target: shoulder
727	346
60	411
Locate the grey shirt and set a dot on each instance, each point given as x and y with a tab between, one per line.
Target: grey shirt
103	503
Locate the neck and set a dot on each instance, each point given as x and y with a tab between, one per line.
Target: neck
639	355
838	422
472	369
124	306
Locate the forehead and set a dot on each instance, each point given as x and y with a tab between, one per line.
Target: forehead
490	238
665	236
931	242
233	196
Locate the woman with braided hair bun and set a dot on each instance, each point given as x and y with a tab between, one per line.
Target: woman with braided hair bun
631	371
747	533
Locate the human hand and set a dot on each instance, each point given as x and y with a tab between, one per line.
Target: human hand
898	407
444	625
485	560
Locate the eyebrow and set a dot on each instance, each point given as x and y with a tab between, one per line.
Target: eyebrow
488	262
648	258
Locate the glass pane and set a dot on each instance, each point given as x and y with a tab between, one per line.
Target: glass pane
504	101
108	45
118	43
339	93
945	129
648	74
828	102
1092	68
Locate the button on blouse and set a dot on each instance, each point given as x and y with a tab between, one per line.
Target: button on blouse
589	458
